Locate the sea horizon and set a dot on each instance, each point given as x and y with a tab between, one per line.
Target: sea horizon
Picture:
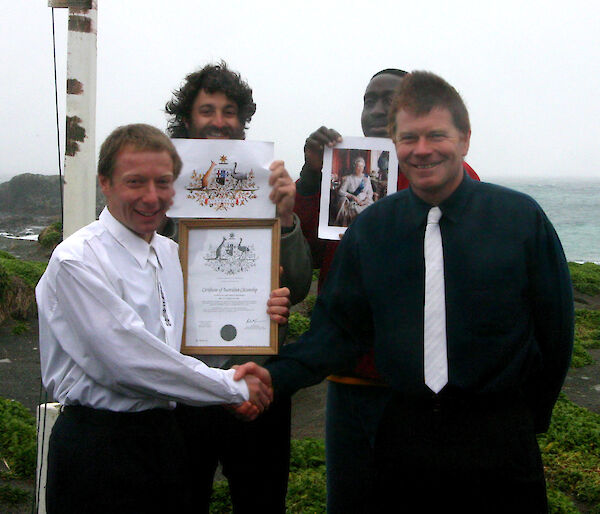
572	205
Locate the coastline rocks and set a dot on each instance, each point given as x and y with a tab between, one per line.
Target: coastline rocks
32	200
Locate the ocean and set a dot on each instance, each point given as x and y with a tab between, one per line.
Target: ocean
573	207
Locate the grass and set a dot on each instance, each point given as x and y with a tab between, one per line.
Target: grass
11	495
19	328
17	440
571	453
570	448
51	236
585	277
587	335
28	271
306	487
17	286
297	324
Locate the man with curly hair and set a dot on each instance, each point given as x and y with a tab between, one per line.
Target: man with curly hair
216	103
214	84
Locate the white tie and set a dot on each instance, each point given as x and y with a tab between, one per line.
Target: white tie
165	319
434	334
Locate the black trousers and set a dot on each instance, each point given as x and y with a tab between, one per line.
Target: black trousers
255	456
108	462
459	455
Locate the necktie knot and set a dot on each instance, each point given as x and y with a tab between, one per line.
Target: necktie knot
152	258
434	215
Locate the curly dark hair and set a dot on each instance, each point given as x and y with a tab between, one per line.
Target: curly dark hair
212	78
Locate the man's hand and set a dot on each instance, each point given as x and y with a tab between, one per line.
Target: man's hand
283	192
252	372
258	380
278	305
251	368
314	145
244	411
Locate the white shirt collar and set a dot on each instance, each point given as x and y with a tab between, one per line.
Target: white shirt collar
133	243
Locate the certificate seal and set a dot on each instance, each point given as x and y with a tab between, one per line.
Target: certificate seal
228	332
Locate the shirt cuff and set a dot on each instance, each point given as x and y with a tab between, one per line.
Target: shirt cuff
287	232
240	385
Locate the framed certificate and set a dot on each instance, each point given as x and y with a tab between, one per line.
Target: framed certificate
230	267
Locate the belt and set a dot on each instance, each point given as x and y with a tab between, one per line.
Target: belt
457	402
114	418
359	381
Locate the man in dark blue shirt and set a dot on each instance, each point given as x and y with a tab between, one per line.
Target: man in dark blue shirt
467	444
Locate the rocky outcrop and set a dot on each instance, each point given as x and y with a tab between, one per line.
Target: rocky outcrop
31	195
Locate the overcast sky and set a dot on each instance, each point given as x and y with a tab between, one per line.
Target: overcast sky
529	72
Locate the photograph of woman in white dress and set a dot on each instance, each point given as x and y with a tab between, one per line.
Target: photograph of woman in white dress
356	194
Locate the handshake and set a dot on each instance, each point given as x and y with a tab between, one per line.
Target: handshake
260	390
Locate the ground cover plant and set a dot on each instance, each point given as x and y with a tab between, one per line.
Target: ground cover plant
17	286
587	336
585	277
17	440
570	448
571	454
51	236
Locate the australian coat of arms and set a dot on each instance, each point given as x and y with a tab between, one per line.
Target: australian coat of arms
222	185
230	256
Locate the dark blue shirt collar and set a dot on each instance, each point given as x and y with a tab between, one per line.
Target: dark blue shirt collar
452	207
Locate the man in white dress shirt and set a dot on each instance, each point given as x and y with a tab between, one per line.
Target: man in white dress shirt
111	317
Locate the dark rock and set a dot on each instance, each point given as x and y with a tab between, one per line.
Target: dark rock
29	196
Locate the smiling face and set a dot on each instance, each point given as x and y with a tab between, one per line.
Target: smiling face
140	190
377	101
214	116
430	153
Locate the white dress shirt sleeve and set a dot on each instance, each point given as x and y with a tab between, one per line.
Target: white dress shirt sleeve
109	342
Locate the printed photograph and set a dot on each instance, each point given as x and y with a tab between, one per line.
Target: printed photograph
358	178
357	172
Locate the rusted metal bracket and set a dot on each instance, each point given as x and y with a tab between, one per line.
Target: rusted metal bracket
76	4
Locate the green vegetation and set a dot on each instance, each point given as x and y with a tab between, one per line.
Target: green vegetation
19	328
4	282
307	453
560	503
17	440
51	236
10	495
309	304
298	324
570	448
587	335
17	283
585	277
571	453
29	271
306	488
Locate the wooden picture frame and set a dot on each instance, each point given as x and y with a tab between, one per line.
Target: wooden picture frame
227	285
